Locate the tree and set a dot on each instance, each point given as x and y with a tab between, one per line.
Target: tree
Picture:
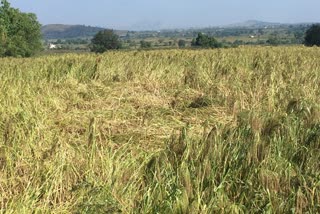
145	44
205	41
312	36
105	40
181	43
273	40
20	33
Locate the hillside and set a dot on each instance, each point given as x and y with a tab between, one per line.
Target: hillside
59	31
253	24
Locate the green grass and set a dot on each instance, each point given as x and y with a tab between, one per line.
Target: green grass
170	131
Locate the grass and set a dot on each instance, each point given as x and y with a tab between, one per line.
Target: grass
170	131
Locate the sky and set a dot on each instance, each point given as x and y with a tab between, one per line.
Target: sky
168	14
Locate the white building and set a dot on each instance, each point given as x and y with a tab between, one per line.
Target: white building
52	46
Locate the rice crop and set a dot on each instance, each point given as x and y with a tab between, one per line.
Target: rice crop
168	131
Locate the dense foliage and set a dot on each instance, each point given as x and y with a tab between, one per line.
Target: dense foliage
145	44
105	40
313	36
205	41
180	131
19	32
182	43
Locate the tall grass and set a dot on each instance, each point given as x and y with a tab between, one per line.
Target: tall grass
177	131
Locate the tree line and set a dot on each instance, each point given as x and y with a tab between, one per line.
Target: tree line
20	36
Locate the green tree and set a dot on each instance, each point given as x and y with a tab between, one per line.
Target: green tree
312	36
20	33
181	43
273	40
105	40
205	41
145	44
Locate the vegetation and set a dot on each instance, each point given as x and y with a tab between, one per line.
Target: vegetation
182	43
249	33
313	36
273	40
19	32
59	31
105	40
179	131
145	44
205	41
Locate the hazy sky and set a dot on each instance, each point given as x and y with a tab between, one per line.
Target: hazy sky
151	14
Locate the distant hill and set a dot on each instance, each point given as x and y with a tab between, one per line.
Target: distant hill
59	31
254	24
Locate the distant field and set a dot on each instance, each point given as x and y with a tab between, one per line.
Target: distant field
168	131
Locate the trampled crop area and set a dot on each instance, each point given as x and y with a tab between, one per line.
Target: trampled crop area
167	131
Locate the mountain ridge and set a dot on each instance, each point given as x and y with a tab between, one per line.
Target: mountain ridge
254	23
64	31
